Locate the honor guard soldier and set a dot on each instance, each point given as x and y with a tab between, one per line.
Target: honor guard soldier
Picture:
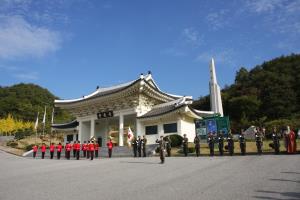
91	149
87	150
221	143
162	146
168	145
43	149
77	150
276	143
84	148
139	146
144	143
197	145
230	144
58	150
96	149
242	143
134	146
211	144
185	142
52	147
74	146
259	143
68	148
34	149
109	145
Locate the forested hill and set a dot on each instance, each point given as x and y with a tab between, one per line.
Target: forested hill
268	94
23	101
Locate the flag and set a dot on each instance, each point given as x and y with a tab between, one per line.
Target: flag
52	118
44	118
36	122
129	134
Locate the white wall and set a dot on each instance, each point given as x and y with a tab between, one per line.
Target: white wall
188	128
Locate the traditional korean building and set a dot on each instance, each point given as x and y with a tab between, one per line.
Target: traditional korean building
139	105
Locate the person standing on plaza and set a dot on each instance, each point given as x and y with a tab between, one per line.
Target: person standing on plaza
88	150
211	144
168	144
276	141
58	150
291	141
230	144
51	148
134	146
68	148
139	146
185	142
78	150
34	149
221	143
259	141
96	150
109	145
91	149
144	143
162	146
242	142
84	148
74	147
43	150
197	145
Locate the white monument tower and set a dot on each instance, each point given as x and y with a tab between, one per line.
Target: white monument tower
215	93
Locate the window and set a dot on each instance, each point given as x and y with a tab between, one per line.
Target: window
69	138
170	128
151	130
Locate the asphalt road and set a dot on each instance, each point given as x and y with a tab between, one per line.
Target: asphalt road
248	177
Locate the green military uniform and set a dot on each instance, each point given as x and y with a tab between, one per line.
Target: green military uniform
197	145
185	145
144	143
162	146
168	146
242	144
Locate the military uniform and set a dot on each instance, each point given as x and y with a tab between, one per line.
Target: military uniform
185	145
221	144
134	146
259	143
242	144
276	143
162	146
168	145
230	145
197	145
144	143
211	144
139	146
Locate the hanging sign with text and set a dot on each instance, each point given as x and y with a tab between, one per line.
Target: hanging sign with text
105	114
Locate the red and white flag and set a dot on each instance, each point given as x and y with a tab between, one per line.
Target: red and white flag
129	134
36	122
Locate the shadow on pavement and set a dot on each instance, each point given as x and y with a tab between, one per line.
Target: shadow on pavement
290	172
284	195
284	180
141	162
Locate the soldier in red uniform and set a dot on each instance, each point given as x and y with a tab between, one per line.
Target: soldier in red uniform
68	148
96	149
88	150
43	149
52	147
78	150
59	148
84	148
109	145
91	149
35	149
74	146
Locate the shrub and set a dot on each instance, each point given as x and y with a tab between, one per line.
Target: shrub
176	140
190	150
12	144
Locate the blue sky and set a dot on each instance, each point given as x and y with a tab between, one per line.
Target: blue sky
70	47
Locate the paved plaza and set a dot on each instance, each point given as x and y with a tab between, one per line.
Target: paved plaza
248	177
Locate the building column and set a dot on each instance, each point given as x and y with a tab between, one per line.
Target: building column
80	131
121	130
138	131
92	133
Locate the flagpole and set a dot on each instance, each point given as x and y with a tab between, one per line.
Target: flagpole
52	119
44	122
35	127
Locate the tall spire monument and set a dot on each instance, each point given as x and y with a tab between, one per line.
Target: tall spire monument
215	93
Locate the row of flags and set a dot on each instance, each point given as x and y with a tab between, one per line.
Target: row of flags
44	119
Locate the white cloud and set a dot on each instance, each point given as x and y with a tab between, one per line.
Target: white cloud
217	20
225	56
261	6
18	38
192	36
